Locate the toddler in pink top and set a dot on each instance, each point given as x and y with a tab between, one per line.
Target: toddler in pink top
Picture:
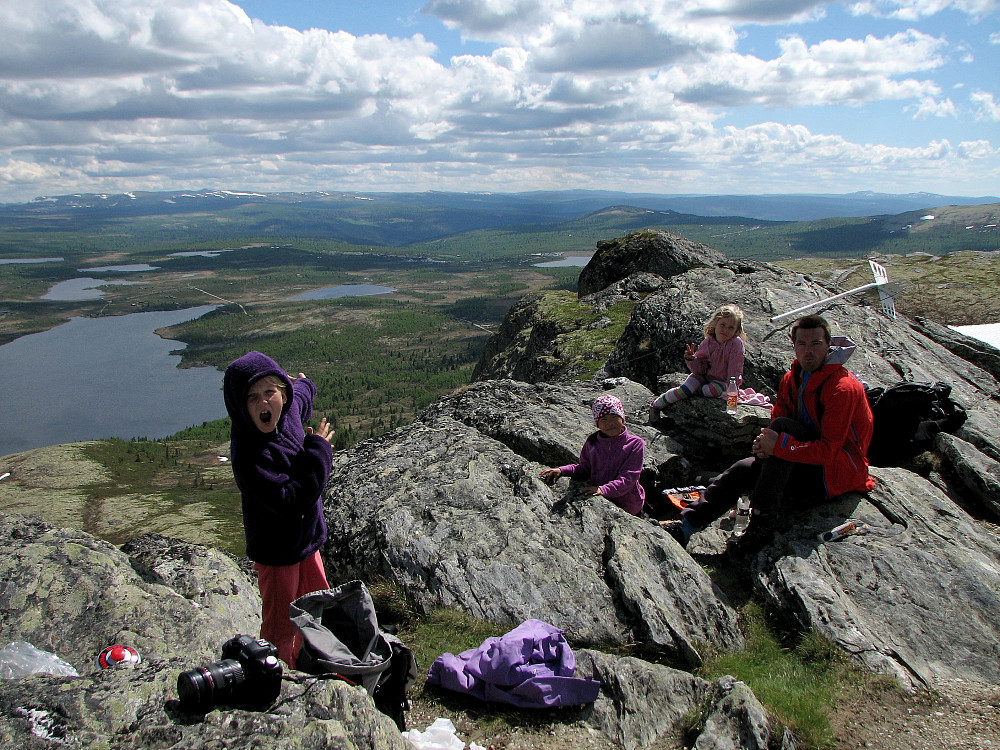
611	459
718	358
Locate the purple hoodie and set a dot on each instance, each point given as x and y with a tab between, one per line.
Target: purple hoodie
281	474
614	464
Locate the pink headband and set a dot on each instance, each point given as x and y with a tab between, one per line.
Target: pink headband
607	404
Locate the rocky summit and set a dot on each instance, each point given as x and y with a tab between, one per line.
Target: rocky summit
451	510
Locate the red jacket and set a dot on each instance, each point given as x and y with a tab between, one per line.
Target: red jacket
835	400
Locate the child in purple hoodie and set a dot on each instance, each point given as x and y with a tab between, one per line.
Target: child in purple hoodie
280	467
611	459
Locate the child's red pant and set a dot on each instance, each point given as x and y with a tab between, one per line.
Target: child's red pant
280	585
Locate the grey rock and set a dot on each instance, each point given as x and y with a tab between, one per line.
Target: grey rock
662	253
915	597
548	423
137	708
640	703
523	346
735	719
709	437
207	577
978	474
633	287
72	595
973	350
458	519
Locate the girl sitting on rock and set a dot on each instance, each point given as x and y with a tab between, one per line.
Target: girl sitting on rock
718	358
611	459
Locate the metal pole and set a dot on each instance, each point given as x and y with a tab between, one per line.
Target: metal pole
819	302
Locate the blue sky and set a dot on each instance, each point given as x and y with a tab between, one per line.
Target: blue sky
665	96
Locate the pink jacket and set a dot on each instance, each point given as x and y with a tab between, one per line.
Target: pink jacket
614	464
719	361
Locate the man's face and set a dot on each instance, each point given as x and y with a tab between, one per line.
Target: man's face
811	348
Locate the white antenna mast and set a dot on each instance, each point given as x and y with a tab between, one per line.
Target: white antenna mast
881	280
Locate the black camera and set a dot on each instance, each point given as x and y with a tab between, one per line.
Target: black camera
249	676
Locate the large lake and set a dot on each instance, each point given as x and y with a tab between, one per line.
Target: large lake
104	377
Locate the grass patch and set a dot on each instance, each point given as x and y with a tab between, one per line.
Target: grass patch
798	683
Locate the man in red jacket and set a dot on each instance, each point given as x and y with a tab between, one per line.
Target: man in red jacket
813	449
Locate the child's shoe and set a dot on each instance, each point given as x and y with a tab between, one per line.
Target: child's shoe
654	416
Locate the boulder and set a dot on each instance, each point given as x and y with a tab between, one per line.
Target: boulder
736	720
973	350
548	423
136	709
457	518
662	253
640	703
976	473
914	597
72	595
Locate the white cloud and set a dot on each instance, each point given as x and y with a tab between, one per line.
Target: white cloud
931	107
849	72
913	10
987	108
156	93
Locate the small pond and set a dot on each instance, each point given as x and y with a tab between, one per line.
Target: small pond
569	260
344	290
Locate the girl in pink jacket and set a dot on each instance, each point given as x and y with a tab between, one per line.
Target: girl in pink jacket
718	358
611	459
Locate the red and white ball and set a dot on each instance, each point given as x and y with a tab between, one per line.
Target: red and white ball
118	656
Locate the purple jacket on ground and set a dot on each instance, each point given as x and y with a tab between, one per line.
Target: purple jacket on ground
614	464
280	475
530	667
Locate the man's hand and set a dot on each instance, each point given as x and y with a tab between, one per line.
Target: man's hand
763	444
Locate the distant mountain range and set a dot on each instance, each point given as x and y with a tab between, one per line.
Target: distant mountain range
497	209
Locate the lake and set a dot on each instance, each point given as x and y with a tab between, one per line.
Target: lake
569	260
79	290
95	378
344	290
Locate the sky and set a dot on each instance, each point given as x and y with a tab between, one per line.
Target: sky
662	96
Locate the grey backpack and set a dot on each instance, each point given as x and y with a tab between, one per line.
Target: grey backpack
341	636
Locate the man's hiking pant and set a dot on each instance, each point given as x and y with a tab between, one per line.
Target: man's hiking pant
767	481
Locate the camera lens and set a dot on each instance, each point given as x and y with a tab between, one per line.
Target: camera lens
201	688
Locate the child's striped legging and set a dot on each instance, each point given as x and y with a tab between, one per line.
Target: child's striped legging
694	383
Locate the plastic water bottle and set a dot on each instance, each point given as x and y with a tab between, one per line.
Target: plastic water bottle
732	396
742	519
839	532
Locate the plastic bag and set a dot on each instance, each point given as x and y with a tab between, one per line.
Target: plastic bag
438	736
20	659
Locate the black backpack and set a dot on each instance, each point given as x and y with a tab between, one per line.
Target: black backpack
908	416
